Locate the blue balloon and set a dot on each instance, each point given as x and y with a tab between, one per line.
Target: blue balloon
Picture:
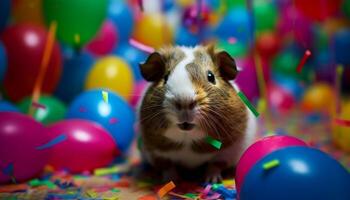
303	173
122	17
133	56
76	66
342	46
6	106
185	37
3	61
116	115
235	24
5	8
168	5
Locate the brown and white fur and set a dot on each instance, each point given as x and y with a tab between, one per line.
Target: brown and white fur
183	105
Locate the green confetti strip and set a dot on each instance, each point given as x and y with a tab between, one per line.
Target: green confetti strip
271	164
34	183
190	195
248	104
215	143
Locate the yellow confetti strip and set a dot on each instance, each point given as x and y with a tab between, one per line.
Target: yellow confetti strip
105	96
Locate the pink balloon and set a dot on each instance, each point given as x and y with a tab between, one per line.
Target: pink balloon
87	146
279	99
105	41
19	137
137	93
259	150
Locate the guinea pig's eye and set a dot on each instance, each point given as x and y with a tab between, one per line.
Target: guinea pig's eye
211	77
166	78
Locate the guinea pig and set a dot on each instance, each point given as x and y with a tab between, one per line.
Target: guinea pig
189	98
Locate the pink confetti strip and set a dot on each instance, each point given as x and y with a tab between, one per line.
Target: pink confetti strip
38	105
140	46
342	122
307	54
214	196
206	191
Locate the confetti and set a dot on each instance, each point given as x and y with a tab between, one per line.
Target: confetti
38	105
206	191
34	183
215	143
271	164
53	142
106	171
141	46
165	189
300	66
77	38
148	197
185	196
91	194
248	104
105	96
342	122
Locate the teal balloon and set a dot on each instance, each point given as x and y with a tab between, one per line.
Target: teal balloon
78	21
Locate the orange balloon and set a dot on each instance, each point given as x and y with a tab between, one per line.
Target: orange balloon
27	11
153	31
319	98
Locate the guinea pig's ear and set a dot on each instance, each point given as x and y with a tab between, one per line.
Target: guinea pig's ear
154	67
227	65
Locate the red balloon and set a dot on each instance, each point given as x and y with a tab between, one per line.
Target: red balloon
25	45
318	10
268	44
279	99
87	146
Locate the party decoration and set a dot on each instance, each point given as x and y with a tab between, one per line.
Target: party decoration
238	18
247	103
165	189
111	73
87	146
5	8
27	11
19	136
76	18
302	170
53	111
195	17
267	45
133	56
155	25
28	43
119	13
259	150
318	98
105	40
75	69
340	131
280	99
140	46
91	106
318	10
246	79
7	106
300	66
265	15
3	61
342	45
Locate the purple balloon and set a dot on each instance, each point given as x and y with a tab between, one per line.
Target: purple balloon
20	135
247	79
87	146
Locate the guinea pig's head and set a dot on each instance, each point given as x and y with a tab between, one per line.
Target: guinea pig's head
190	88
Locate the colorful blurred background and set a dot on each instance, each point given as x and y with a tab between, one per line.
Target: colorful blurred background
70	81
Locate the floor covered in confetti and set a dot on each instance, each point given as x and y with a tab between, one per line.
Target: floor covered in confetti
115	182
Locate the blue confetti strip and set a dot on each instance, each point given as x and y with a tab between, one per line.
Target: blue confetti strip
53	142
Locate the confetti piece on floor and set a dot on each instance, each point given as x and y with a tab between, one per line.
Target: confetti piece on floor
186	196
53	142
271	164
148	197
106	171
91	194
13	188
141	46
342	122
229	182
215	143
206	191
300	66
38	105
214	196
165	189
34	183
247	103
105	96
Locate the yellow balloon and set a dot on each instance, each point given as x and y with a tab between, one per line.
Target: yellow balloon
341	133
111	73
153	30
319	98
27	11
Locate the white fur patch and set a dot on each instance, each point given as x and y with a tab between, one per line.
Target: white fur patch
179	82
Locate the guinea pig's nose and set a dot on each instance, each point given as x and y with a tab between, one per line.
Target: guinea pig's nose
185	104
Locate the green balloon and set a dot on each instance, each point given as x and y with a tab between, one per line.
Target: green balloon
237	50
286	63
78	21
346	8
265	15
54	109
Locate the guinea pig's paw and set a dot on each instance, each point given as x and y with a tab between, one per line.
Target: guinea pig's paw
213	175
170	174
